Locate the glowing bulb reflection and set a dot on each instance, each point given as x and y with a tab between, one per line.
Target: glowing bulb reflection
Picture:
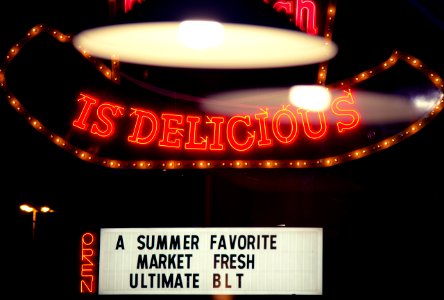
201	34
26	208
310	97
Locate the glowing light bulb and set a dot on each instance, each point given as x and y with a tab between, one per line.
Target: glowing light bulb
45	209
26	208
310	97
201	34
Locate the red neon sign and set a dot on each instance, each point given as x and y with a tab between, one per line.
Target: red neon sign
301	12
88	264
123	133
128	4
239	133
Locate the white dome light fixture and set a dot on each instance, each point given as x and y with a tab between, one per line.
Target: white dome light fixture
214	45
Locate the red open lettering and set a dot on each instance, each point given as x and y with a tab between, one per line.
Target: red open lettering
88	265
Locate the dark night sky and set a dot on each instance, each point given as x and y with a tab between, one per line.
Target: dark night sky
380	214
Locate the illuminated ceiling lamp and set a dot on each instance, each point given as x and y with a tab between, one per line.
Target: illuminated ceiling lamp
224	34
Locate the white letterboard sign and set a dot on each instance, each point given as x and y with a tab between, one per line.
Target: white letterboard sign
235	261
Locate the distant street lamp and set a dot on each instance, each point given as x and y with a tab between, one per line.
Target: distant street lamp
30	209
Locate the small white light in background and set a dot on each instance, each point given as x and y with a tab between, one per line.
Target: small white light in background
310	97
201	34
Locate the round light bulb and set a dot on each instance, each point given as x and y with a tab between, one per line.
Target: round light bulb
201	34
310	97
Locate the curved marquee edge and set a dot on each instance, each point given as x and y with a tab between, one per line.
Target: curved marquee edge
112	73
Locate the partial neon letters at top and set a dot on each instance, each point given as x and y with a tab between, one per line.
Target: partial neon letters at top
303	12
128	4
239	133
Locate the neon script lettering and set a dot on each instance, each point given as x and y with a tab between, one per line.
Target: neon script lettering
301	12
238	133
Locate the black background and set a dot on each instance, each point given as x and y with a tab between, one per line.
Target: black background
381	214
